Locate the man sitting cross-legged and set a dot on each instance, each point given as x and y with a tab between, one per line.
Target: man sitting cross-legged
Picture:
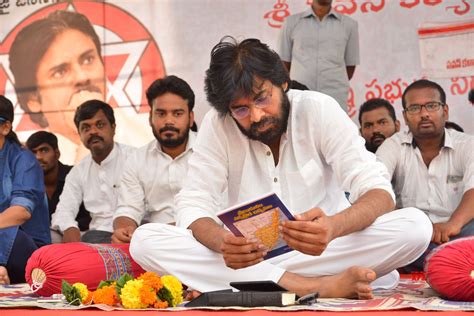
300	144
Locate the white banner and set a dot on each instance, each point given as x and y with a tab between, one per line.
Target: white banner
447	49
144	40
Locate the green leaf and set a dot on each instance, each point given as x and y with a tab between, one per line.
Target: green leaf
65	287
105	283
72	294
121	282
165	295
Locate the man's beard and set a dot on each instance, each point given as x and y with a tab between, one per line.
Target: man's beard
171	142
273	133
371	145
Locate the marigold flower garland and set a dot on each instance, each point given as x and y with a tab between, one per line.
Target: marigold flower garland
148	290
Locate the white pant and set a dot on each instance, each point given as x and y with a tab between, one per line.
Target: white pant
393	240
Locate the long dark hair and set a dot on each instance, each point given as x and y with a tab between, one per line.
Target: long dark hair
235	66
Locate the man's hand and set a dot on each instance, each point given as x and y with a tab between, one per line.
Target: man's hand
310	233
442	231
123	235
72	234
238	252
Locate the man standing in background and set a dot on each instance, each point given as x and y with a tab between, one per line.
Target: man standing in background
320	48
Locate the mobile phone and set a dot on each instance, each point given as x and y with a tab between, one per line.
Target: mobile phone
258	286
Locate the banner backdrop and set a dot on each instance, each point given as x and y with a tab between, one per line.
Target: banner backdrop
144	40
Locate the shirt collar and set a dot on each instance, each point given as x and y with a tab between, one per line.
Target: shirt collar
332	13
448	140
111	156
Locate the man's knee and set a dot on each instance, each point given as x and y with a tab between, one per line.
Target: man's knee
147	238
418	228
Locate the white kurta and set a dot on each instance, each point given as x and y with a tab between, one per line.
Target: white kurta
321	156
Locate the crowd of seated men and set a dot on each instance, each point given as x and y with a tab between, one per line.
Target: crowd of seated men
366	201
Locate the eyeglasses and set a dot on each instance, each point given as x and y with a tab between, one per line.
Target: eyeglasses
261	102
430	107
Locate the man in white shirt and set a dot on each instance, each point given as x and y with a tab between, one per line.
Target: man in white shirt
95	180
432	167
301	145
154	174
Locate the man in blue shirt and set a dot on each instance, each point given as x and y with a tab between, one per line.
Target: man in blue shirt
24	222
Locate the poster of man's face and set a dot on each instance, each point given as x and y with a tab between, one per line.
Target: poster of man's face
64	52
67	53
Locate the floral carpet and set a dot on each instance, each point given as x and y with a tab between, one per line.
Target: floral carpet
408	295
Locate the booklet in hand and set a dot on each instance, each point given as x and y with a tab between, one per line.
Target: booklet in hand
259	219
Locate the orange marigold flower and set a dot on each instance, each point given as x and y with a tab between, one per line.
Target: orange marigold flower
147	295
89	298
106	295
152	279
161	304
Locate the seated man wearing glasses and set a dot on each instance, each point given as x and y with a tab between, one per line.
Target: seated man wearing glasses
261	136
432	167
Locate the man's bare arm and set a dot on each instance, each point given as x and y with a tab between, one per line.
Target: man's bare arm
362	213
312	231
463	214
208	233
237	252
13	216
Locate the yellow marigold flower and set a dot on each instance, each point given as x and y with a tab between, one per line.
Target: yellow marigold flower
152	279
131	294
175	287
106	295
83	291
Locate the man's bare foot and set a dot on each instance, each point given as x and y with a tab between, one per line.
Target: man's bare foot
4	279
351	283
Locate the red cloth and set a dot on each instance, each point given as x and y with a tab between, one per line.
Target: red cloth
449	269
80	262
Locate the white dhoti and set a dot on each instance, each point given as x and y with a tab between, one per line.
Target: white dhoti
393	240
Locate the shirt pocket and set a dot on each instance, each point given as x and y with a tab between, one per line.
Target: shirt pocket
305	50
454	191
